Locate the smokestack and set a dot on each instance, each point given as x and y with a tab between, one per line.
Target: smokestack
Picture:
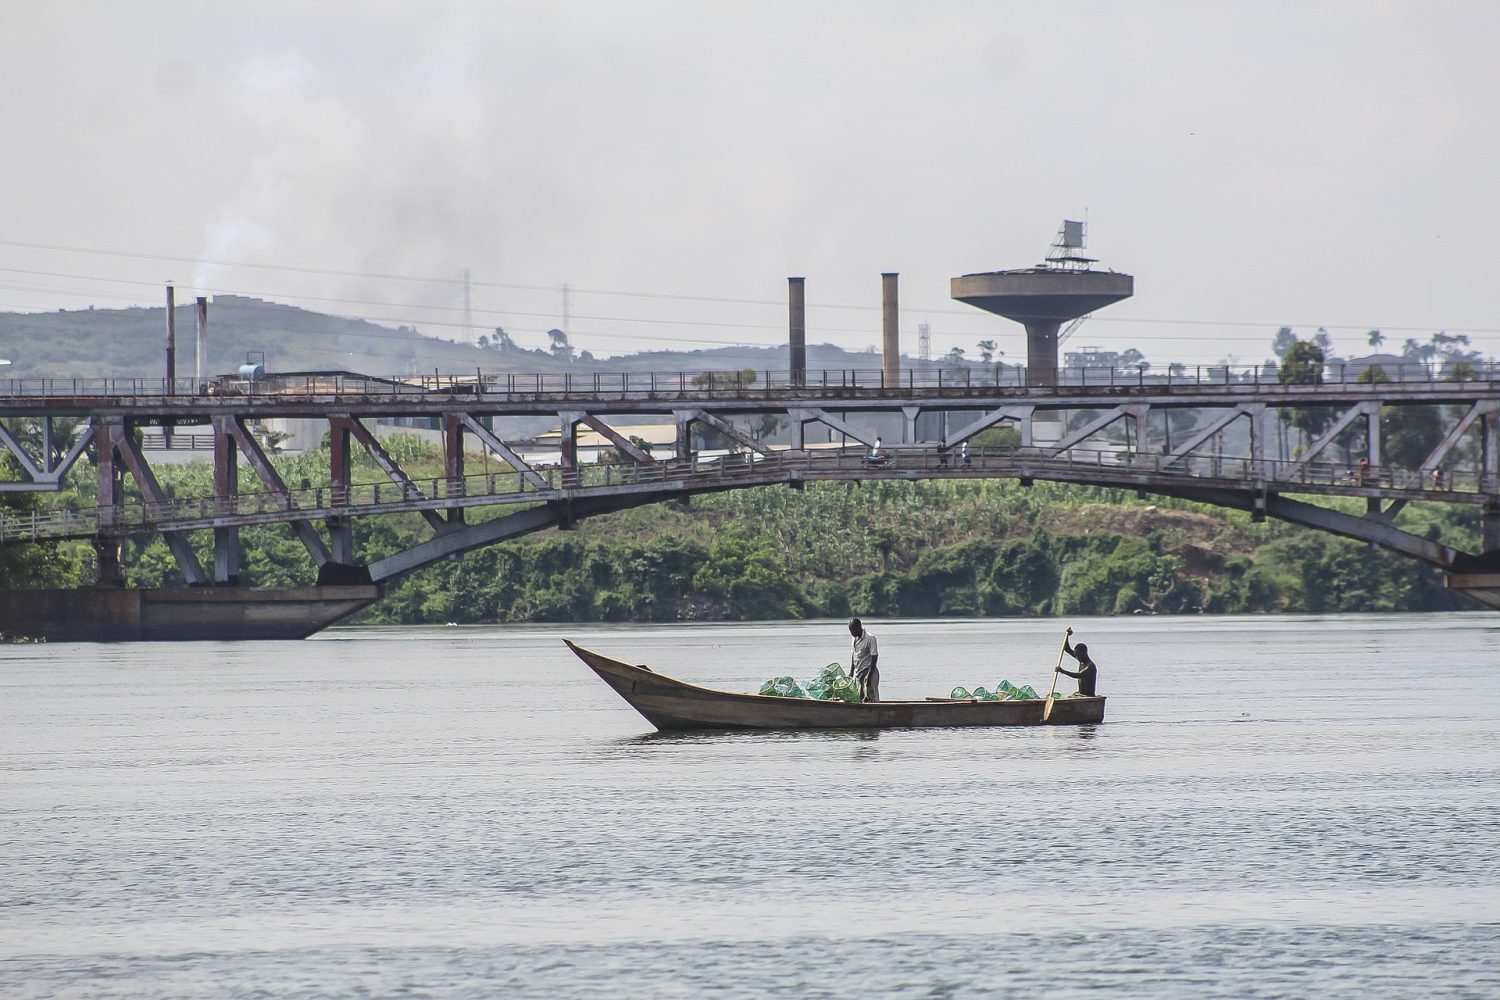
797	329
171	339
890	370
201	354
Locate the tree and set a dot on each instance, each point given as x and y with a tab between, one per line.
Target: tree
956	356
1417	352
1302	364
1376	338
1456	358
560	347
986	350
1283	341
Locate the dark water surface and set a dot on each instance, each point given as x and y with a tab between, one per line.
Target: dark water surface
1276	807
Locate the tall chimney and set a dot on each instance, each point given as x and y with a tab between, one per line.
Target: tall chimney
890	369
171	339
797	329
201	354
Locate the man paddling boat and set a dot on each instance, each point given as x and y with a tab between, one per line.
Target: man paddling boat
1087	673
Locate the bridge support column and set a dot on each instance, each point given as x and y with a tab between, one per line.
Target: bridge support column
1372	438
226	494
684	420
1140	424
453	463
567	447
1489	482
111	502
340	472
909	431
1257	414
1489	436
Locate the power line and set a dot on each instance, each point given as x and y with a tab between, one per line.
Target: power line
332	272
967	313
1259	325
426	308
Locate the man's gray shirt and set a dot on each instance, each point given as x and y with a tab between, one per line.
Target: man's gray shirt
863	651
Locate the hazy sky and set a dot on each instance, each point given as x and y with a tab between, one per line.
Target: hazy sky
1252	164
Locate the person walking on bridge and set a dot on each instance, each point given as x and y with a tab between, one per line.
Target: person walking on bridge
1087	673
864	654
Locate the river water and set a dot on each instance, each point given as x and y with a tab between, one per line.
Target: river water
1275	807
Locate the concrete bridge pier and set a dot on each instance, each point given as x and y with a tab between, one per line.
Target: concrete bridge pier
121	614
110	571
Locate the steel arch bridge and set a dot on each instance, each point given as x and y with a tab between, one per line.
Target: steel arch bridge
1213	437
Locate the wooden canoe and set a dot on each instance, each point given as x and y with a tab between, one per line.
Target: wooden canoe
670	704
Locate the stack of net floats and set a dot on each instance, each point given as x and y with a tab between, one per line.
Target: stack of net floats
1004	691
831	684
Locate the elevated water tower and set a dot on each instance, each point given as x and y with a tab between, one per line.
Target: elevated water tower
1061	289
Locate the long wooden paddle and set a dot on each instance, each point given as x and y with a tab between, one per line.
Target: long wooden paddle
1047	709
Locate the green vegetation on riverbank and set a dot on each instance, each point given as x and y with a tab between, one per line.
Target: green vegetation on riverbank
888	549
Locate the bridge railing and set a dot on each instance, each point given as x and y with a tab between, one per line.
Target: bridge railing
614	385
1105	466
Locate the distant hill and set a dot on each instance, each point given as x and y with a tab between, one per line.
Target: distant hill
94	343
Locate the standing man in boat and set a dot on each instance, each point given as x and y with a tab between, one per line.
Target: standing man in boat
862	659
1087	673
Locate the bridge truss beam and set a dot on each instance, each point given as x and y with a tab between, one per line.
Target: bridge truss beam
45	472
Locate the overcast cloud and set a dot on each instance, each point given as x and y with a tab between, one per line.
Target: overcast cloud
1253	164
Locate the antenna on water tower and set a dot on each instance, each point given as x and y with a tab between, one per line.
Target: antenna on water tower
1067	246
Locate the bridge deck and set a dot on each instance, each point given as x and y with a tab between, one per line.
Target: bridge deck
661	392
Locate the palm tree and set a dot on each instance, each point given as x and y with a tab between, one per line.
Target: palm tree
1376	338
986	350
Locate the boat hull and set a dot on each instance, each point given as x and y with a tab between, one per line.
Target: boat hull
672	705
